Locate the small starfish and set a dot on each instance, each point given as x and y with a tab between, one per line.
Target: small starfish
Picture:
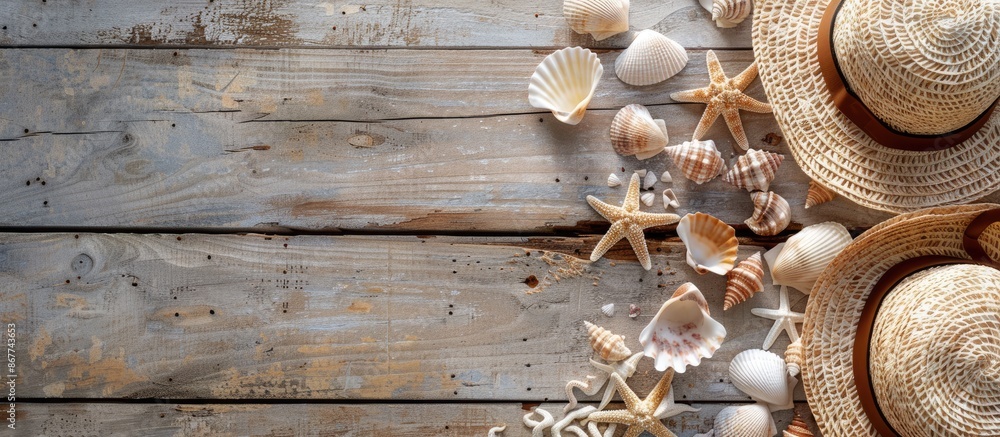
640	415
628	222
724	97
784	319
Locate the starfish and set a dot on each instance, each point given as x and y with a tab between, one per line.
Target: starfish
628	222
724	97
640	415
784	319
624	368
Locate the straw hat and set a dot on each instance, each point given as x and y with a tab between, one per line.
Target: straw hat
902	329
887	102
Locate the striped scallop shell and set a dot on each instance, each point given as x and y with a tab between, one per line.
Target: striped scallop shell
728	13
699	161
600	18
797	428
755	170
613	180
609	346
651	58
744	281
682	332
794	357
764	377
608	310
771	214
635	132
799	261
711	243
745	421
564	82
818	194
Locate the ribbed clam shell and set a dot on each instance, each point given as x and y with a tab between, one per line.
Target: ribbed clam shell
608	310
651	58
771	214
711	243
818	194
798	428
682	332
745	421
564	82
647	199
613	180
728	13
794	357
635	132
670	199
755	170
763	376
609	346
699	161
799	261
600	18
743	281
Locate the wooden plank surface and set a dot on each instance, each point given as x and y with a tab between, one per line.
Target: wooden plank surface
336	23
310	317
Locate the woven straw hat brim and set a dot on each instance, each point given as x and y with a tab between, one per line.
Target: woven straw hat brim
833	151
841	291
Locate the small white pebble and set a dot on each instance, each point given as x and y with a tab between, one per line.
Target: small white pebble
641	173
666	177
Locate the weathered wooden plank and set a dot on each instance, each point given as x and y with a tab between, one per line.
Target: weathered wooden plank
374	420
310	317
299	23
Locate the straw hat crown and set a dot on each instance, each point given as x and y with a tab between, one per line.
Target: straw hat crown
924	67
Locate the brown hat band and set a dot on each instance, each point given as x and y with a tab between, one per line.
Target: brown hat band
855	110
892	276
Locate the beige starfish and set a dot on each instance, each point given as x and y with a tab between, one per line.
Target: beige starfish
628	222
641	413
725	97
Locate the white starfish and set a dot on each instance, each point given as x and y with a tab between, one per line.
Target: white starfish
538	428
784	319
668	408
624	368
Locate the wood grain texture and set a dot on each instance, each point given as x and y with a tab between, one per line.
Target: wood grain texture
337	23
400	318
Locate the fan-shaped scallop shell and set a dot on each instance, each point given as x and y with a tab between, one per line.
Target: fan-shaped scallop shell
608	310
794	357
648	198
755	170
609	346
764	377
565	82
682	332
797	428
744	281
711	243
635	132
818	194
600	18
799	261
771	214
728	13
745	421
613	180
651	58
699	161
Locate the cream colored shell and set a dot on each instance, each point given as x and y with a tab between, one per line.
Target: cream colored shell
798	428
794	357
754	170
682	332
670	199
799	261
744	421
609	346
744	281
711	243
600	18
818	194
565	82
771	214
651	58
635	132
764	377
728	13
614	180
699	161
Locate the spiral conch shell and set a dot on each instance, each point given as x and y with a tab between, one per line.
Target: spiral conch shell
799	261
755	170
699	161
797	428
794	357
764	377
609	346
771	214
600	18
635	132
818	194
682	332
711	243
744	281
745	421
727	13
565	82
651	58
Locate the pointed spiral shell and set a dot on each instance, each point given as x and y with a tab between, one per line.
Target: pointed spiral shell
794	357
729	13
797	428
609	346
755	170
699	161
771	214
742	282
818	194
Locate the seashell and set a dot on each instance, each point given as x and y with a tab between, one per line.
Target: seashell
565	82
744	281
755	170
764	377
613	180
670	199
794	357
666	177
682	332
727	13
818	194
711	243
745	421
609	346
797	428
641	172
799	261
648	198
651	58
600	18
635	132
771	214
699	161
649	181
634	310
608	310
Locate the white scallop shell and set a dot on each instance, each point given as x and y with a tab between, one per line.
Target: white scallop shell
764	377
650	180
635	132
600	18
711	243
799	261
651	58
608	310
728	13
745	421
670	199
648	198
682	332
565	82
613	180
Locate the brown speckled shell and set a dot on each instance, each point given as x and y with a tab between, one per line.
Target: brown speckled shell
771	214
755	170
609	346
744	281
